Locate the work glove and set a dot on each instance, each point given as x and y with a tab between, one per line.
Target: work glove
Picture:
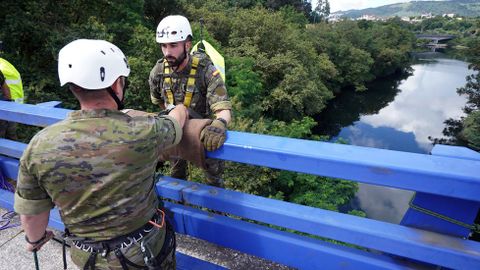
213	136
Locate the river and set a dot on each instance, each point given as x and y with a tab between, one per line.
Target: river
397	114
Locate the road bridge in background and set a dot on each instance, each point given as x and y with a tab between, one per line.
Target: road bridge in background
435	38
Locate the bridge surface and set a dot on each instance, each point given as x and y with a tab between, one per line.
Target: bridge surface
447	183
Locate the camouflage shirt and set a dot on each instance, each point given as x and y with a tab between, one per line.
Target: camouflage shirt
209	95
97	167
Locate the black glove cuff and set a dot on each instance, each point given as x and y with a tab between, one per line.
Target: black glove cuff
223	121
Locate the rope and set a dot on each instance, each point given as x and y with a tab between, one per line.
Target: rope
474	228
35	259
4	184
7	220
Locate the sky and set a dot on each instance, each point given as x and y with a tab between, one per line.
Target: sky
337	5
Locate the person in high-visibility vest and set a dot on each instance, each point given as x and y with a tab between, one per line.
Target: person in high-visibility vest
13	81
194	81
12	90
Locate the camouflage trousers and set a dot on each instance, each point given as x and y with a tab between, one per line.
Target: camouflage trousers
155	240
213	173
8	130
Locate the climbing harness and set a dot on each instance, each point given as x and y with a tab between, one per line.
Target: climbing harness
190	82
473	228
103	248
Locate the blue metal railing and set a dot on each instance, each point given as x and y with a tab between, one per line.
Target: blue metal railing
451	173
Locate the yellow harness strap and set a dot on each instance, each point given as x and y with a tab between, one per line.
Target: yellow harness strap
168	82
190	82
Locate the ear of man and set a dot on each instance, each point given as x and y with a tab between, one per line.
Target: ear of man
118	86
188	45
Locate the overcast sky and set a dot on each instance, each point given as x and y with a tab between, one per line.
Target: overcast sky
336	5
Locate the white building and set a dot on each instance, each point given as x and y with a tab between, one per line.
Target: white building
368	18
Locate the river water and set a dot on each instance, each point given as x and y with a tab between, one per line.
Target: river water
398	114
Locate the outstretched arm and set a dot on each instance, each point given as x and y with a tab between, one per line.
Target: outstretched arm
180	114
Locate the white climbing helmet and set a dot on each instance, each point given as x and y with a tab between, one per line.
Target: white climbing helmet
173	28
91	64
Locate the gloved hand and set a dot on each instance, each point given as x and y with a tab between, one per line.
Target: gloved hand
213	136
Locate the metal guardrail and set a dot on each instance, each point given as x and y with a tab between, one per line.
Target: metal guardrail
451	173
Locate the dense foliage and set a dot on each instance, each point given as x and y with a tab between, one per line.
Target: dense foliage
281	70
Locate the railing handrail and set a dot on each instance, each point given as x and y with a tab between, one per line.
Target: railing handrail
440	175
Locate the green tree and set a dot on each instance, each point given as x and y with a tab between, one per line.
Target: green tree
321	11
471	130
466	130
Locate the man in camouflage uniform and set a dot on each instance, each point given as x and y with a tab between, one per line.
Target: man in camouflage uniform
97	166
192	80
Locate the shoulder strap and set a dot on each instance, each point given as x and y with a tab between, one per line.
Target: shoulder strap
191	81
168	82
203	64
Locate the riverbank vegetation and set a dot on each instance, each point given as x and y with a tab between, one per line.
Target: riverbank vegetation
466	130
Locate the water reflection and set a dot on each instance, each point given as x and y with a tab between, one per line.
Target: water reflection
347	108
397	114
426	100
383	203
368	135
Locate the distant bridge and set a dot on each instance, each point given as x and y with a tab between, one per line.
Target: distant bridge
436	38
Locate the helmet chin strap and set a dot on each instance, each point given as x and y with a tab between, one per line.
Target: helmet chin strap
120	105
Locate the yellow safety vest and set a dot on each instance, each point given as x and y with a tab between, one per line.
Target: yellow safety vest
13	80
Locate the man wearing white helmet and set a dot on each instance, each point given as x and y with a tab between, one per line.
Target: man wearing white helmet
97	166
192	80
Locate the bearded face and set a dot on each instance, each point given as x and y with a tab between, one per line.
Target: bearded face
175	53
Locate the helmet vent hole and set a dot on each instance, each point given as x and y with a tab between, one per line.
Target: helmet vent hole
112	49
102	73
70	65
173	32
103	53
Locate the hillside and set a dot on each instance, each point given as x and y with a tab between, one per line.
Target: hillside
469	8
